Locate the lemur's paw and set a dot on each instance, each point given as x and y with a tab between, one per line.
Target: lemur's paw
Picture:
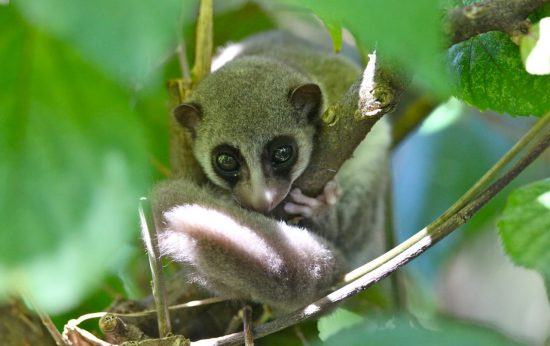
311	207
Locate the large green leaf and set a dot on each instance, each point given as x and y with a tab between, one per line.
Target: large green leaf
525	227
488	73
401	331
128	39
75	159
407	31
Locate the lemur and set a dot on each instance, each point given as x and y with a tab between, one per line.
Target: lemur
253	121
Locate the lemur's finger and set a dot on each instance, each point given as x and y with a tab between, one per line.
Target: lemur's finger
299	197
332	192
293	208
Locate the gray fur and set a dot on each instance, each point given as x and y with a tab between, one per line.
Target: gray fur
242	253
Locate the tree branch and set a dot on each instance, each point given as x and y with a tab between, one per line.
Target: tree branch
540	127
246	313
502	15
204	42
348	121
423	240
150	238
50	326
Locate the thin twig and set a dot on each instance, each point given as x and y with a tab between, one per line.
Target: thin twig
149	235
47	322
190	304
397	289
540	127
429	237
73	324
247	326
71	329
536	130
204	42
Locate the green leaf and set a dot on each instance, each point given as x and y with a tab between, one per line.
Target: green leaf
128	39
74	161
334	28
488	73
525	227
408	32
400	331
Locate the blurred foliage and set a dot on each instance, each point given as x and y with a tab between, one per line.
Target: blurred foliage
75	160
408	32
403	331
127	40
525	227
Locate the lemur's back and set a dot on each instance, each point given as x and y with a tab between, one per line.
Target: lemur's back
334	72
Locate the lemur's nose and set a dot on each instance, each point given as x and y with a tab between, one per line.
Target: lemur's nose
265	201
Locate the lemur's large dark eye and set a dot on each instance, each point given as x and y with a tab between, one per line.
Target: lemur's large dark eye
281	154
227	163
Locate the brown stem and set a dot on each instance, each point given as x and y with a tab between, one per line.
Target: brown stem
348	121
503	15
50	326
247	326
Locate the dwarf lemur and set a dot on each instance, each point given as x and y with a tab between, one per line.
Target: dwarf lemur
253	121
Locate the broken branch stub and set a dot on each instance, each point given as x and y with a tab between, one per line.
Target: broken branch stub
346	123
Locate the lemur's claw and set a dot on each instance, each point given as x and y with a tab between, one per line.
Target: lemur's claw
309	206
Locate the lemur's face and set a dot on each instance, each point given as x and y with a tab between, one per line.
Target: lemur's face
260	175
253	124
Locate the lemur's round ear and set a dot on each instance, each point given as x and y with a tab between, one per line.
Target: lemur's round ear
308	99
188	115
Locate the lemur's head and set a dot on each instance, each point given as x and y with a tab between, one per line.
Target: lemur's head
253	123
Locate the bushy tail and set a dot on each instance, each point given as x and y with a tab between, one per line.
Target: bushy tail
246	255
